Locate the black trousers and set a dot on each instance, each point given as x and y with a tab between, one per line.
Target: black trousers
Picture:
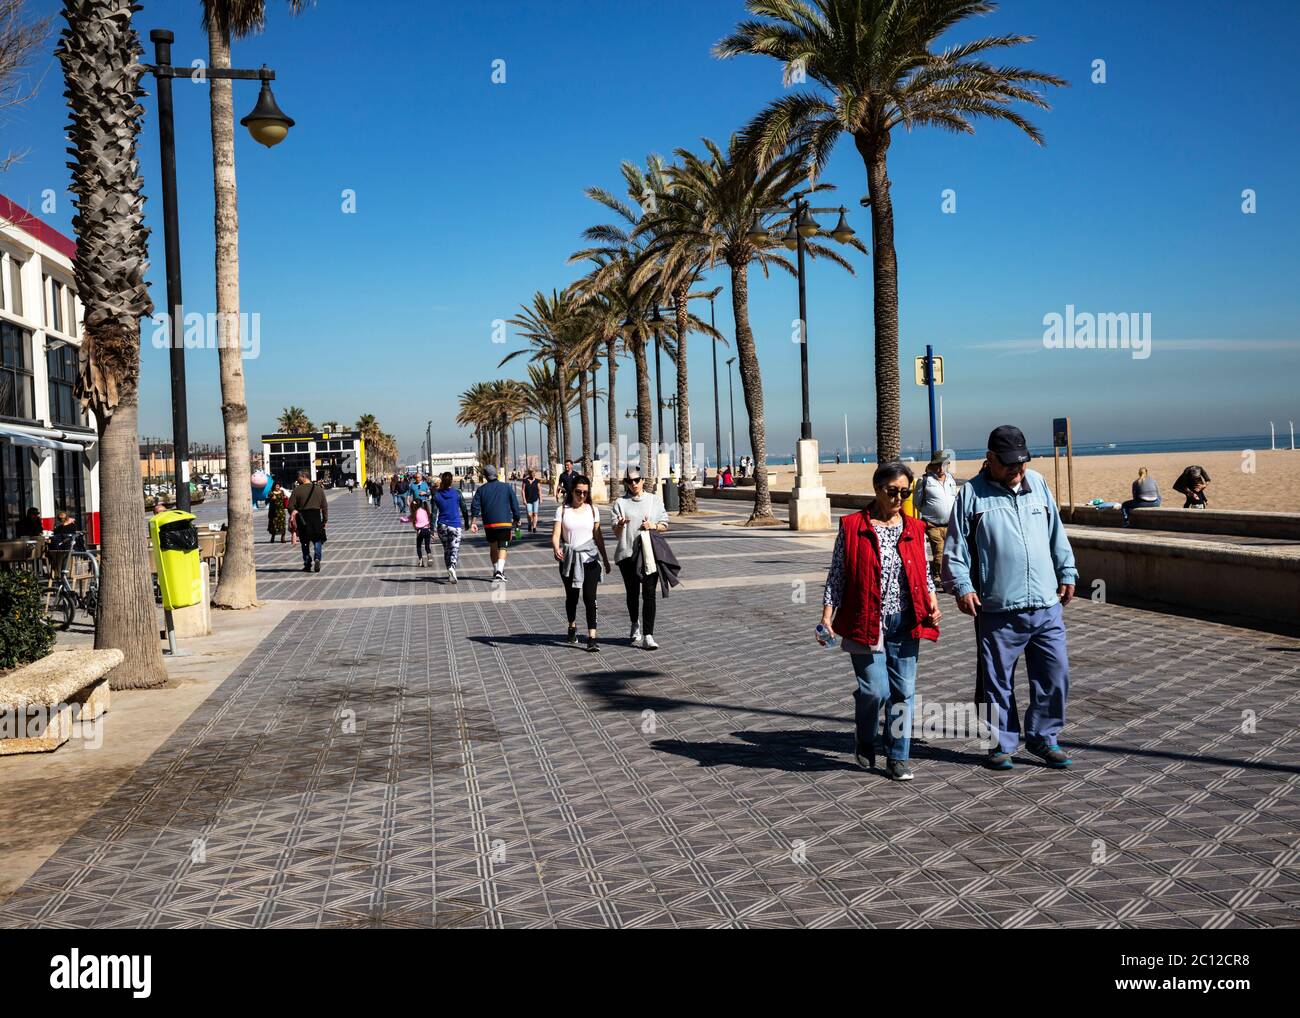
641	595
423	542
591	577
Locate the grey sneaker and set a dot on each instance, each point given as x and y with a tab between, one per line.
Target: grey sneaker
1050	753
898	770
999	761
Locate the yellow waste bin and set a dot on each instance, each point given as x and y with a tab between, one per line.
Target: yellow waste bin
175	544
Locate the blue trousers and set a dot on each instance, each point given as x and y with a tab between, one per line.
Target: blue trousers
308	547
1040	634
887	678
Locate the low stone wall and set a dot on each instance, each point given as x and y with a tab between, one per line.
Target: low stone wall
44	703
1260	585
1243	523
840	501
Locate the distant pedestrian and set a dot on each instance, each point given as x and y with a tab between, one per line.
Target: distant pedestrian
420	488
498	506
579	547
311	513
635	513
1191	485
395	491
932	502
879	598
277	513
1146	495
403	494
351	484
565	483
451	514
1009	563
532	498
422	524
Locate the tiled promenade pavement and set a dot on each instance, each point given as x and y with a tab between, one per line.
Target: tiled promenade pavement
402	753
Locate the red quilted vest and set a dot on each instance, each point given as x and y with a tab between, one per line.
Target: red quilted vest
858	616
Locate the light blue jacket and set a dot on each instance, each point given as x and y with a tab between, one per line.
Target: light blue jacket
1010	549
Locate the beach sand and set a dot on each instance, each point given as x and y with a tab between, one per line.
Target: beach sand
1274	484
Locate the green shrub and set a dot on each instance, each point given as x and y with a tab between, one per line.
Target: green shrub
26	632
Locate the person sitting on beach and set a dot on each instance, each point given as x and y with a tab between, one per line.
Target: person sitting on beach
727	480
1191	484
1146	495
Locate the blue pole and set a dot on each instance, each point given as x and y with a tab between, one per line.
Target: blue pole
929	378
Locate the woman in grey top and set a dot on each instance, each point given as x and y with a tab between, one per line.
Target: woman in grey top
1146	494
635	512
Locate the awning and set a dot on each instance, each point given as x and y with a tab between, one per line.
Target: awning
20	436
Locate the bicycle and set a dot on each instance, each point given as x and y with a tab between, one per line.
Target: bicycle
65	599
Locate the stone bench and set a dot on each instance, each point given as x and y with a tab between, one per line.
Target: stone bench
41	703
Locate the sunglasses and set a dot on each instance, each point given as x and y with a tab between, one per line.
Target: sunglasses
898	492
580	491
634	480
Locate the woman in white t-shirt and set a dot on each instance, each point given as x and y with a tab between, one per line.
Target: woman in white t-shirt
579	547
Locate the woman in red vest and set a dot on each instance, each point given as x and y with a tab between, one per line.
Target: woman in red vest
878	577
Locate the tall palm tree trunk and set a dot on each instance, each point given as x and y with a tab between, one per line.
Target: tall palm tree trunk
884	270
688	503
751	382
611	411
645	457
551	448
584	420
100	53
237	587
505	447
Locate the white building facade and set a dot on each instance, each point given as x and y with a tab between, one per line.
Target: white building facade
48	444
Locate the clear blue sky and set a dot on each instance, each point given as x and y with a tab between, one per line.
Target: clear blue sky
469	197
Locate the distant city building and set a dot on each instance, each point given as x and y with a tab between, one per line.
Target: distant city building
326	456
49	454
461	464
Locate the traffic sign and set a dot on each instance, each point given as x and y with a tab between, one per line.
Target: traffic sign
922	379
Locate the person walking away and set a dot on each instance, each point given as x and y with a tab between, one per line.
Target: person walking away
936	491
311	515
637	511
422	524
532	498
1009	563
1146	495
497	505
565	482
577	542
277	513
393	491
450	512
1191	485
879	598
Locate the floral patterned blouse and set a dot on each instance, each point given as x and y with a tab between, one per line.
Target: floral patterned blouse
895	598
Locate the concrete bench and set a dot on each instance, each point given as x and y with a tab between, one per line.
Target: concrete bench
40	703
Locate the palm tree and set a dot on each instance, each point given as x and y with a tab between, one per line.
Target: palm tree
712	209
547	326
628	295
541	397
224	20
875	62
329	427
100	53
293	420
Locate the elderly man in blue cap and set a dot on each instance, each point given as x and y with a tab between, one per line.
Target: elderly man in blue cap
1008	562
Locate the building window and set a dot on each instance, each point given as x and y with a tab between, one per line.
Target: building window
70	487
17	384
13	285
19	475
65	408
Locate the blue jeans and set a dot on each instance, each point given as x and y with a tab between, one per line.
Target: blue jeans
888	677
1136	503
307	547
1039	633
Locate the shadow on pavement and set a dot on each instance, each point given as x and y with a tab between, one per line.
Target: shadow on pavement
801	751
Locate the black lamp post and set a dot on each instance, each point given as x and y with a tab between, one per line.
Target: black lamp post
802	227
268	126
731	398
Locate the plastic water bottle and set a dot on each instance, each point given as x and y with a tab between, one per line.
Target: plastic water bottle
825	637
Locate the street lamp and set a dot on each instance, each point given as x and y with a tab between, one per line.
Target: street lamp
731	398
268	126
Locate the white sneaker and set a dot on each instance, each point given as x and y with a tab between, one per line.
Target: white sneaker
420	561
635	636
648	643
451	574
